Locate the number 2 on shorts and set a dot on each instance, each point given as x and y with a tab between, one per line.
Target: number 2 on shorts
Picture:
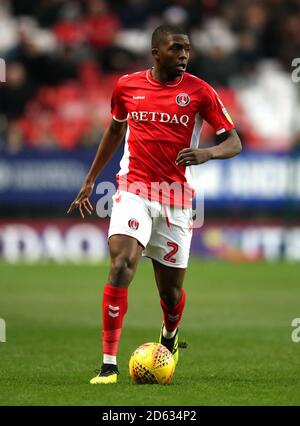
169	256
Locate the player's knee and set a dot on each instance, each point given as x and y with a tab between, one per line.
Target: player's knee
122	271
171	297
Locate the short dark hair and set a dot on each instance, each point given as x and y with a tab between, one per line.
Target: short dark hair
161	32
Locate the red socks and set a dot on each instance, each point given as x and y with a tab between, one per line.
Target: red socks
172	316
114	308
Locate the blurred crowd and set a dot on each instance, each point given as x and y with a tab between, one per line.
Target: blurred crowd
63	57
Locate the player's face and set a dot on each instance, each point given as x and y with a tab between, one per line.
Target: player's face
172	55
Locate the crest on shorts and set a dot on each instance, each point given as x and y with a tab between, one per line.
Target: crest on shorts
182	99
133	224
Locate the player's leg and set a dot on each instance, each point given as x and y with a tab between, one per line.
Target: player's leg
128	235
125	252
169	248
169	282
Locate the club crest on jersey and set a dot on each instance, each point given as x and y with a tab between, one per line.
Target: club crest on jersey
182	99
133	224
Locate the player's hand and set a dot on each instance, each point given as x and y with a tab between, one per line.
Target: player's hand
193	156
82	202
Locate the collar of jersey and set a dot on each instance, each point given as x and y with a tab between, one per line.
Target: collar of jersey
158	83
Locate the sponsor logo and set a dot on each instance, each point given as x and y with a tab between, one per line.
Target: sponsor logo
182	99
138	97
160	117
133	224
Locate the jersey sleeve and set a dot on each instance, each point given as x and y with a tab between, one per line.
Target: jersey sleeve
118	108
214	112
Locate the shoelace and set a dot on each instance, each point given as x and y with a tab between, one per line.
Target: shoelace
99	371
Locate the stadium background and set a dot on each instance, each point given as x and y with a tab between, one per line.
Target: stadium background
62	60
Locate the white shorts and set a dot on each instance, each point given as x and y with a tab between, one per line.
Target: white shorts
165	232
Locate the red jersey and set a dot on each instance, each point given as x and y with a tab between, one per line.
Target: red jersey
162	119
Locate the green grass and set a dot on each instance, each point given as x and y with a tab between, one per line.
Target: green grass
237	323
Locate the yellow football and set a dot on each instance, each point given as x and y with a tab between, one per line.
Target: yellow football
151	363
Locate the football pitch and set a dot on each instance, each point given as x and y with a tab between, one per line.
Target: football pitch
237	323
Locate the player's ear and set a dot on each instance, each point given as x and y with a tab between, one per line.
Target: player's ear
155	53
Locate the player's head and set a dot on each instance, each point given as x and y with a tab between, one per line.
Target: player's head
170	49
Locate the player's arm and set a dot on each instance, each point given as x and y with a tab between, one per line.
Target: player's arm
109	143
229	146
213	111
